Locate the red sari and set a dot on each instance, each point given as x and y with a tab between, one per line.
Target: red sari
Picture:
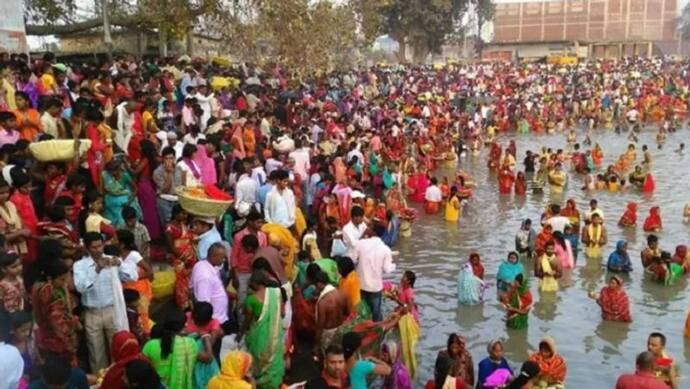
418	183
520	185
506	178
125	348
94	155
26	211
184	259
614	304
56	326
572	213
653	221
544	237
629	217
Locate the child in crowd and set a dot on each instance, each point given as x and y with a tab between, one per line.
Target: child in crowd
12	291
141	234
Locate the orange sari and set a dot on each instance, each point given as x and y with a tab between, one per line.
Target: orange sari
32	128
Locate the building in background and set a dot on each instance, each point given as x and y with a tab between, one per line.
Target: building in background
12	32
588	28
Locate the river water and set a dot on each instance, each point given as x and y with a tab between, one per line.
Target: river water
596	351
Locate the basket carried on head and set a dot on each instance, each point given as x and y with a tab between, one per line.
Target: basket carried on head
201	206
57	149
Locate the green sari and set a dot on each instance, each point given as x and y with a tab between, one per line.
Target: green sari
265	342
176	370
519	299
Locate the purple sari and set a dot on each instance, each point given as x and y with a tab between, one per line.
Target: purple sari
399	377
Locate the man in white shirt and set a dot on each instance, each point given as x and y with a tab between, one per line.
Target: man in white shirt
374	259
125	121
280	203
433	197
557	221
93	278
246	191
353	230
301	157
204	99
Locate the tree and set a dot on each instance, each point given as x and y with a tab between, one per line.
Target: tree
484	10
307	36
423	25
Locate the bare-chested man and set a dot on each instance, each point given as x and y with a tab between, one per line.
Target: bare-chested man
331	312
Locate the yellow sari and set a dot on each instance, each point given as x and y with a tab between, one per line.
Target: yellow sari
557	181
592	249
287	243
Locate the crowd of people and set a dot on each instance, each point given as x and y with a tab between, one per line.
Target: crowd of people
322	172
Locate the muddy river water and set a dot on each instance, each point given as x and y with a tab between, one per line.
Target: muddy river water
596	351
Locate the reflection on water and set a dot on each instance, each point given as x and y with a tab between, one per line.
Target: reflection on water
596	351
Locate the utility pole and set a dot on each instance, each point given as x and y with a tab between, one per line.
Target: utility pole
107	39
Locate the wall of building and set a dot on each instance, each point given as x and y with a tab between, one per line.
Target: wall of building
585	20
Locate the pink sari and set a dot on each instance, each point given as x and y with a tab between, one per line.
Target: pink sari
564	255
206	165
344	195
419	184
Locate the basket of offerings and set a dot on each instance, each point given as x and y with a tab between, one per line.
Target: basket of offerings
163	284
58	149
207	201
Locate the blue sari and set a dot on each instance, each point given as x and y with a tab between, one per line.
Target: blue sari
118	194
507	272
619	260
390	236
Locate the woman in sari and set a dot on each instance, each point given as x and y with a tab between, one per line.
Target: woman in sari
124	349
235	372
28	118
489	365
454	363
56	326
613	301
653	222
517	302
477	267
205	162
544	237
563	250
629	218
417	185
120	191
547	268
146	190
552	366
557	179
180	238
11	224
680	257
174	355
264	338
399	378
506	178
470	287
572	213
619	260
520	184
507	271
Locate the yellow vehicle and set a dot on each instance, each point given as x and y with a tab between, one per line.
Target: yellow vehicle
562	59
